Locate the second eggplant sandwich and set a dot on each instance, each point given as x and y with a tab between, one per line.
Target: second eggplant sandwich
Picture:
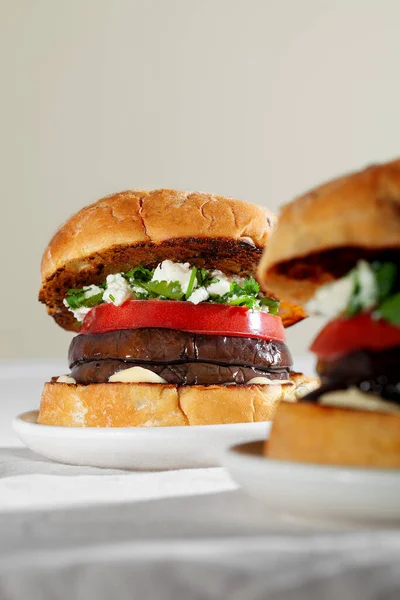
336	251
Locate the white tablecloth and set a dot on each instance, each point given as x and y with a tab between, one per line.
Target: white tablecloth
82	533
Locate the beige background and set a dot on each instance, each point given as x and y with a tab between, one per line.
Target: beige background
257	99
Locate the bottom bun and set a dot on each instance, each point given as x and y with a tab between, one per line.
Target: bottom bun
163	405
305	432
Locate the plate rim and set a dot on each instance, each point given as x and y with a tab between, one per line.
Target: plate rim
19	424
334	472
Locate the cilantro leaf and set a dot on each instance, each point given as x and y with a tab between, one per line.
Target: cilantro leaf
245	294
244	300
138	275
144	295
171	290
191	282
272	303
390	309
385	275
354	305
93	300
250	286
204	278
365	290
369	292
76	299
140	278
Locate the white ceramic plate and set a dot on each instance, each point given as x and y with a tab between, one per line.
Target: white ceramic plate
134	447
316	492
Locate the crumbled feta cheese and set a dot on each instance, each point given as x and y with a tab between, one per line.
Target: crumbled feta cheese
332	299
92	290
217	274
138	290
170	272
237	279
223	285
199	295
262	307
118	290
79	313
368	292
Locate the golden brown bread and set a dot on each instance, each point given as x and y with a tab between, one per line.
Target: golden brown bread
142	217
136	227
324	232
162	405
311	433
303	385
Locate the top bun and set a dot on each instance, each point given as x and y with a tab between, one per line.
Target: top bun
322	234
136	227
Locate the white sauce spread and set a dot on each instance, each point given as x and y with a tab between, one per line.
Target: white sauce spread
65	379
358	400
265	381
136	375
141	375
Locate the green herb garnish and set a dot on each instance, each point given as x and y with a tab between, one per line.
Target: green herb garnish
76	299
390	309
272	303
140	278
247	301
375	287
191	282
163	289
355	305
385	275
245	294
204	278
139	275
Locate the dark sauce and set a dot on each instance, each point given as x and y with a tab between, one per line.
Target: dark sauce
375	373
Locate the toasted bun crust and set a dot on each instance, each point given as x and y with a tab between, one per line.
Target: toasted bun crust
145	227
162	405
330	228
311	433
142	217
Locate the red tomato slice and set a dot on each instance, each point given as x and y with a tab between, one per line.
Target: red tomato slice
213	319
343	336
